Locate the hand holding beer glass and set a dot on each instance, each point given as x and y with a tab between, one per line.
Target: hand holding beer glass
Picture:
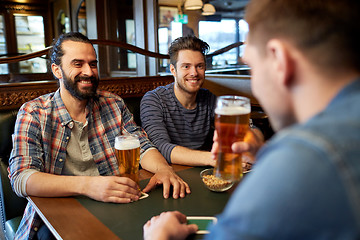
232	114
127	151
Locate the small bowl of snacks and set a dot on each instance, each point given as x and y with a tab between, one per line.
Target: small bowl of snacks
214	183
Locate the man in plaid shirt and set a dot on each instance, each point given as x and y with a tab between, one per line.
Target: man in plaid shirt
63	141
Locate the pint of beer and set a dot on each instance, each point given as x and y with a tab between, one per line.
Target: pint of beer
232	115
127	151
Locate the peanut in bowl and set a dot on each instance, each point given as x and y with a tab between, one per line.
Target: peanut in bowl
214	183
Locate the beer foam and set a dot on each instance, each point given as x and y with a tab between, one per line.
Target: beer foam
232	110
127	144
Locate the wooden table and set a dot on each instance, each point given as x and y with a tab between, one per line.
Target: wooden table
83	218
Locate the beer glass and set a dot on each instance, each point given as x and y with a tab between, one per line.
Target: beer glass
232	115
127	151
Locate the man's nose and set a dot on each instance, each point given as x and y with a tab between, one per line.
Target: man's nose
87	70
193	71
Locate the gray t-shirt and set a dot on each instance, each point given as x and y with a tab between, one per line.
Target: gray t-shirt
79	160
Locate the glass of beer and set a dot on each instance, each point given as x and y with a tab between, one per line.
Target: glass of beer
232	114
127	151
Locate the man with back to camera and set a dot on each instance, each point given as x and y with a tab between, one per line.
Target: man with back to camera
179	117
63	141
306	75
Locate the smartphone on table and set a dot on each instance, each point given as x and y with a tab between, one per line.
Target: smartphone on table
203	223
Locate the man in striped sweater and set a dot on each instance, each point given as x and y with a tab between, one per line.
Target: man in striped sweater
179	117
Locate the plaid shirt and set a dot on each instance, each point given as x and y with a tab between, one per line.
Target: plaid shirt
42	132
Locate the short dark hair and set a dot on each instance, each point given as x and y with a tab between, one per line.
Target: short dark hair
187	43
56	52
327	32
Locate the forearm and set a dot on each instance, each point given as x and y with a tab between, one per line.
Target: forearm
186	156
101	188
49	185
154	162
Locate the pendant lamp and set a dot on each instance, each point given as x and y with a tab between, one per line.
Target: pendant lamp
193	4
208	9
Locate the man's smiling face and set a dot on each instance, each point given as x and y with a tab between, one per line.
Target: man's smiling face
190	71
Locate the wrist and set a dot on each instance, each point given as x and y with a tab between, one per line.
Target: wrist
164	168
157	235
84	185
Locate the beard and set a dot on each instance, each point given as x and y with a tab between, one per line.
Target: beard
71	86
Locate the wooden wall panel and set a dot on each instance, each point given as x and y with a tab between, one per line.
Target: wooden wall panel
13	95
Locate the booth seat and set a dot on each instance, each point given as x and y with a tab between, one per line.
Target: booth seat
11	206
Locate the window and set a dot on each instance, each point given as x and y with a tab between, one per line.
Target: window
218	35
23	31
3	67
243	32
122	28
167	34
30	38
130	39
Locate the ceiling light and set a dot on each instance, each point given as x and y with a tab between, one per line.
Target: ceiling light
193	4
208	9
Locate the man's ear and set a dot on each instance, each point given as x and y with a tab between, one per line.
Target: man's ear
173	70
56	71
282	61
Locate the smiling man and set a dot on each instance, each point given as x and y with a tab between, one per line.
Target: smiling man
63	141
179	117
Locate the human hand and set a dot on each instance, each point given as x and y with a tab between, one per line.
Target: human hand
168	225
167	177
253	140
112	189
212	161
